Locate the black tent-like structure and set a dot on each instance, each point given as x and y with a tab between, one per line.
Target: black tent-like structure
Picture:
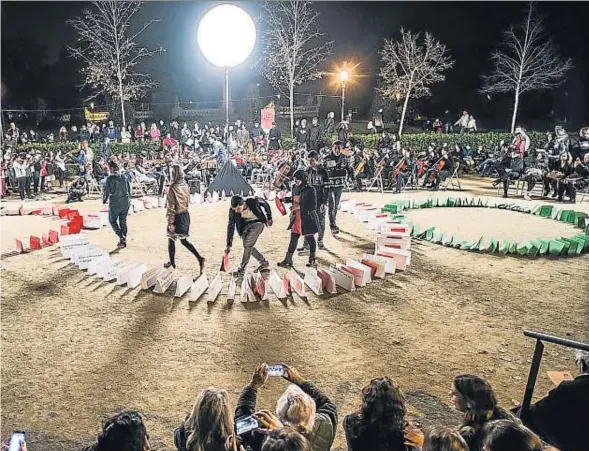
230	180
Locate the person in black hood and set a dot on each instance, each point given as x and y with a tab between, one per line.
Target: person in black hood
314	134
117	192
303	219
318	179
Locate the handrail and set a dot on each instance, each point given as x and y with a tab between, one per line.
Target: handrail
537	358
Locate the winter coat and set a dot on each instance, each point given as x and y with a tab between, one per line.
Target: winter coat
307	208
319	179
178	200
323	433
314	135
155	134
342	135
560	417
118	190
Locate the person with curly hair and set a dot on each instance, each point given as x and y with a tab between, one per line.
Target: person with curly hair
123	432
474	397
441	438
380	424
285	439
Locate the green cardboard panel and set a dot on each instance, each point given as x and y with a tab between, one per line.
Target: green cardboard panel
535	248
451	202
429	233
536	210
504	247
545	244
437	237
573	244
546	211
447	239
580	245
523	248
443	202
477	244
557	247
493	245
512	247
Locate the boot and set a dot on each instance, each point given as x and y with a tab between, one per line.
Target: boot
287	262
320	244
201	264
312	260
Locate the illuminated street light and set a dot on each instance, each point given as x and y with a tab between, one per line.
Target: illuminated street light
344	75
226	36
91	105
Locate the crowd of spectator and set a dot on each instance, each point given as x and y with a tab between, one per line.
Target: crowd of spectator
306	419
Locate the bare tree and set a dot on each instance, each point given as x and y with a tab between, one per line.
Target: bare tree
293	50
410	66
110	52
528	61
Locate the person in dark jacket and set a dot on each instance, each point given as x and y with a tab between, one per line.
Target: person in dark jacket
302	406
318	179
338	167
248	217
439	438
275	136
117	192
209	425
303	219
314	134
343	133
505	435
302	135
513	172
475	398
329	126
380	423
77	189
561	417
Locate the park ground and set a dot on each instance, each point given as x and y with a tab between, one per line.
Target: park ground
76	349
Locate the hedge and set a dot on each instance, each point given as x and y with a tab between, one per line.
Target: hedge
418	141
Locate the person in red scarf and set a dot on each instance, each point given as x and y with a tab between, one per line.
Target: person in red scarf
303	219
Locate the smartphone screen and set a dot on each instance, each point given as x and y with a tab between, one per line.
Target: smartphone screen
17	442
276	370
245	425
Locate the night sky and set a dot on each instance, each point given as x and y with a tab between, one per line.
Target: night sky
469	29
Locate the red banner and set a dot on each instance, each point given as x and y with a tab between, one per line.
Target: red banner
268	115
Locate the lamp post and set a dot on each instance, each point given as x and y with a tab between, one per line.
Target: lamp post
226	36
344	75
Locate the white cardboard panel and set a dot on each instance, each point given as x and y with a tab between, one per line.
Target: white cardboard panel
215	288
232	289
366	270
395	243
397	230
277	285
198	288
102	268
149	278
378	266
354	272
77	251
92	221
164	281
313	281
122	273
400	260
134	276
297	284
93	264
327	281
65	239
343	279
112	272
261	286
84	262
67	249
183	284
402	252
390	266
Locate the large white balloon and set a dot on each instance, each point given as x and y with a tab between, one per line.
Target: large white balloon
226	35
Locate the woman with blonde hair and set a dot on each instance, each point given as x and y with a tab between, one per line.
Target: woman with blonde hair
440	438
209	425
154	133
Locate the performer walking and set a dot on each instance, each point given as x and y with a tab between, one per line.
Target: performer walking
318	179
178	217
248	216
303	219
117	192
338	168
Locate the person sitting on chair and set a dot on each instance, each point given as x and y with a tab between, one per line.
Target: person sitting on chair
535	173
580	177
442	171
563	170
406	170
511	171
77	190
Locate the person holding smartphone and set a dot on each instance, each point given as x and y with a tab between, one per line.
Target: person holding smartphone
302	406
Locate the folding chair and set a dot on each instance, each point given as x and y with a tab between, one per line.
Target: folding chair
412	181
94	186
451	182
583	193
377	179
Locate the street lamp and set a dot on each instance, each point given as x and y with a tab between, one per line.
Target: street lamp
226	36
91	105
344	75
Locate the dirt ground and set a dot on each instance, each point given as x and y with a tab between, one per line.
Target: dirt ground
76	349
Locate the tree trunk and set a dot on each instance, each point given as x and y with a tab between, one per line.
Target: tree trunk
403	114
292	111
515	106
122	102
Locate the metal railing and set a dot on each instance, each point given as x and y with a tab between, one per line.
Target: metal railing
537	358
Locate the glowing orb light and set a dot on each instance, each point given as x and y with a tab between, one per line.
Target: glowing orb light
226	35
